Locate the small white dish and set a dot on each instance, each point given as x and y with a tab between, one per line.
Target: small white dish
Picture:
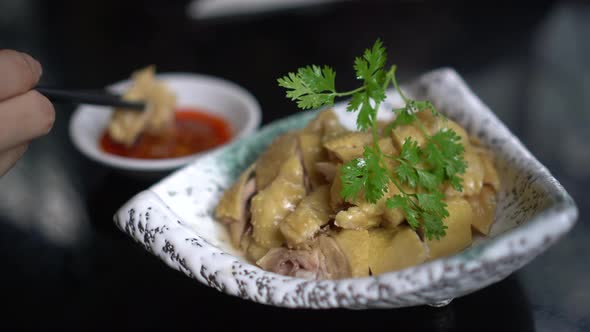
174	220
209	94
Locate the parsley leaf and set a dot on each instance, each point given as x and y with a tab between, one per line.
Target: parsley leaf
378	176
403	117
369	68
423	168
407	114
428	212
311	87
434	210
433	203
317	79
445	152
355	102
354	175
407	174
372	61
408	159
367	114
428	180
364	173
404	203
433	225
410	151
314	100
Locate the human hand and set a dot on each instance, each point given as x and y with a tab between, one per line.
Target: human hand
25	114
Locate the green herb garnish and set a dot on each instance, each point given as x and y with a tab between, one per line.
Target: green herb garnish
423	168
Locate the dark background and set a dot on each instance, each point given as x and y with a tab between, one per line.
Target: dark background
65	266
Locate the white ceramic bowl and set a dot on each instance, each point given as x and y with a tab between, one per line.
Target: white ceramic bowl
214	95
173	219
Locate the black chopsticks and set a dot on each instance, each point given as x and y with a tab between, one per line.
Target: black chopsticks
83	97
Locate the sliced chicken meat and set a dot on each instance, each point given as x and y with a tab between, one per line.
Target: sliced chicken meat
270	161
312	152
272	204
125	125
232	208
364	216
349	145
309	216
327	169
325	260
326	124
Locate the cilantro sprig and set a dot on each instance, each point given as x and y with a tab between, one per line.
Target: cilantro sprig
423	168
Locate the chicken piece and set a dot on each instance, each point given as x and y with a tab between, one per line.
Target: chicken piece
401	133
253	251
458	232
336	200
355	245
126	125
325	260
433	123
293	263
270	206
441	123
326	124
334	262
332	128
309	216
232	206
428	118
474	174
366	215
473	177
490	174
348	146
363	216
312	152
394	249
387	147
391	218
381	126
269	163
484	207
327	169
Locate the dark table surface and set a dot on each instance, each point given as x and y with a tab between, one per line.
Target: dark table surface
66	266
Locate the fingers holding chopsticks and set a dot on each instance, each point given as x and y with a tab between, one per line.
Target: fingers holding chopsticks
19	73
25	114
23	118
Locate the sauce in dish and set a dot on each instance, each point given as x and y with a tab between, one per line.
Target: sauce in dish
193	131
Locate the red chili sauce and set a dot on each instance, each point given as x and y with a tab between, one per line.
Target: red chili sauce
193	131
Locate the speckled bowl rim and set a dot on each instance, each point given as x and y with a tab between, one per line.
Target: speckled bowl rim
479	264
